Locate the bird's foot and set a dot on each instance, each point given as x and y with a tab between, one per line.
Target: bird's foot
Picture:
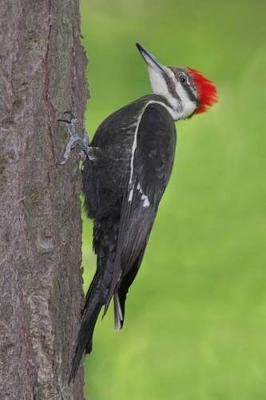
74	139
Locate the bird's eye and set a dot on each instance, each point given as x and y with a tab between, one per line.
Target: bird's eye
182	78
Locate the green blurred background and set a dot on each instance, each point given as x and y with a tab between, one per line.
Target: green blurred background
196	315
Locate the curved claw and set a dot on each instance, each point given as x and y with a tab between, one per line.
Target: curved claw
72	116
64	120
74	139
69	113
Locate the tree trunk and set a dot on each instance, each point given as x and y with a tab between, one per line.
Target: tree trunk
42	74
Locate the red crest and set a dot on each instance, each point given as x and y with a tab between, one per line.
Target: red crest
206	89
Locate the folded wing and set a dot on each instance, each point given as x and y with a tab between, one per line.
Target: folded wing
152	159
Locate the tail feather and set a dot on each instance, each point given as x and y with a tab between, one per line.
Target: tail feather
97	295
121	294
84	340
118	314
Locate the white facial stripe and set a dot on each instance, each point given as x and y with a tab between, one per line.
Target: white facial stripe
159	86
182	106
193	90
188	105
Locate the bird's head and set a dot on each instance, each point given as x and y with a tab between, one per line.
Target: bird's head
186	90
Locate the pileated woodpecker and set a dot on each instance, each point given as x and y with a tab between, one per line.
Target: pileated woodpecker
126	170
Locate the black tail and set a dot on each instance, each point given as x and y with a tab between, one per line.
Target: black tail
98	292
121	294
91	310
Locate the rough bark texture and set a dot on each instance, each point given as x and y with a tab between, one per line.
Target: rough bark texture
42	74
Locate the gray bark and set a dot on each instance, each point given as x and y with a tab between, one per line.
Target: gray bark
42	74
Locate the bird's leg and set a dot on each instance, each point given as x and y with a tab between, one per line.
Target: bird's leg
74	139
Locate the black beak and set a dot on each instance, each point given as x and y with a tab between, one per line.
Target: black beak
149	58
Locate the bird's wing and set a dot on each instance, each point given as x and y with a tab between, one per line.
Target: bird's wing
152	158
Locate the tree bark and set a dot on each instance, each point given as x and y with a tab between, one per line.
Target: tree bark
42	74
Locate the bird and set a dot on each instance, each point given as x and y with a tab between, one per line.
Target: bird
126	170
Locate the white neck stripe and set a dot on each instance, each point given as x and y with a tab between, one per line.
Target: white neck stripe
134	145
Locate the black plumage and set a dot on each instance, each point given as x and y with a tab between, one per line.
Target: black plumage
126	170
124	177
